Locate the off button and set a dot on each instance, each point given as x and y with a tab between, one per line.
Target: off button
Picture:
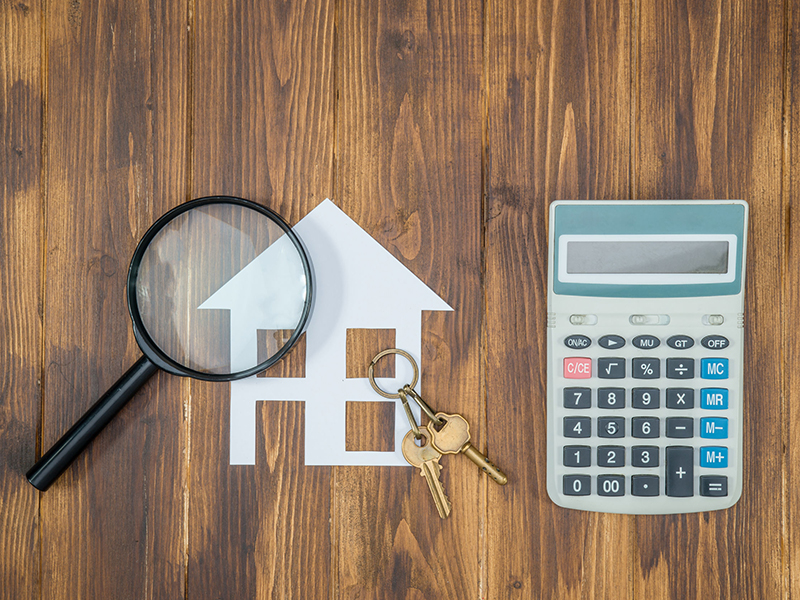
578	342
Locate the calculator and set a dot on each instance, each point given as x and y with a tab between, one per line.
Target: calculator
644	347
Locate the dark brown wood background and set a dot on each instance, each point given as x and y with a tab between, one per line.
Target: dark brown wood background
444	128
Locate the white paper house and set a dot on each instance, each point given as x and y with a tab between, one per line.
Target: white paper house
358	285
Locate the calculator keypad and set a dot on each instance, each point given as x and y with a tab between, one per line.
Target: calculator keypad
650	424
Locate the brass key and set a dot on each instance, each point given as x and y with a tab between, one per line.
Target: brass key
453	438
426	459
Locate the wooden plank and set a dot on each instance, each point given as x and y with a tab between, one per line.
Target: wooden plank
708	125
408	171
113	524
21	291
262	114
558	123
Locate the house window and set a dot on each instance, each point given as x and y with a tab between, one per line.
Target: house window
369	427
291	365
362	346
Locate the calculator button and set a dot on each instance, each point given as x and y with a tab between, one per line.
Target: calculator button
611	456
645	427
611	368
715	428
577	397
646	368
713	485
577	485
610	485
680	398
611	427
577	368
577	341
577	427
645	485
611	398
714	457
714	368
680	342
646	342
644	456
715	342
644	398
714	398
612	341
680	427
680	471
680	368
577	456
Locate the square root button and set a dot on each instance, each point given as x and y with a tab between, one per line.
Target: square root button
577	368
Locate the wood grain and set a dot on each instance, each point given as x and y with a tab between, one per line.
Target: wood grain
558	122
21	293
705	70
262	114
408	171
113	524
365	344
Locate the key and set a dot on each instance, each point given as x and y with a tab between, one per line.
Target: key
426	459
453	438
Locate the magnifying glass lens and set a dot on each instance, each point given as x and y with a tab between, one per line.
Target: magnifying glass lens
219	290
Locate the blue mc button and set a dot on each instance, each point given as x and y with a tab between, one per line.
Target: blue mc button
714	368
715	428
714	457
714	398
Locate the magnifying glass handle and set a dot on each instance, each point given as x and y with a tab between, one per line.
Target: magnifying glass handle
60	456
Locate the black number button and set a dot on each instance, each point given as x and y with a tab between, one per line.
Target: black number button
680	368
680	342
612	341
644	456
645	485
680	398
611	398
646	368
611	427
577	456
577	485
577	397
577	427
610	485
611	368
715	342
611	456
646	342
680	427
644	398
645	427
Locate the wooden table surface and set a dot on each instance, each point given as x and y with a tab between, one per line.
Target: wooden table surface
444	129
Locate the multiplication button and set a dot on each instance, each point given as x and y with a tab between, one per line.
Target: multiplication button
680	398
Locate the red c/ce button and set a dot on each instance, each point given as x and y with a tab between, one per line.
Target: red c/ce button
577	368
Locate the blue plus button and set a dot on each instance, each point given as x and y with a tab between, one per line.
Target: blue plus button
714	398
714	368
714	428
714	457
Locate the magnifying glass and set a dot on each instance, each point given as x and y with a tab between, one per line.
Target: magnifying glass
219	288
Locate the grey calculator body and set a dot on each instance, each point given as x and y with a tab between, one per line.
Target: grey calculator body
645	348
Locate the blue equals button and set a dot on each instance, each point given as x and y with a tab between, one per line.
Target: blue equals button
714	457
714	428
714	398
714	368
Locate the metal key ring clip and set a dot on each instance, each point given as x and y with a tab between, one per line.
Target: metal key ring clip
379	356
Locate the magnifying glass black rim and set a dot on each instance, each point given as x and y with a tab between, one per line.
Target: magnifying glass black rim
146	343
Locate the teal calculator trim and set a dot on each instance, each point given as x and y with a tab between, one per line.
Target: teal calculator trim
723	217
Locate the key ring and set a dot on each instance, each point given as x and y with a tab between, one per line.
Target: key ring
379	356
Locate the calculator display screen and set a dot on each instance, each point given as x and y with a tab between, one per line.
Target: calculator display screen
651	257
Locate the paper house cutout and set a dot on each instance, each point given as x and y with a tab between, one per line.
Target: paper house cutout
358	285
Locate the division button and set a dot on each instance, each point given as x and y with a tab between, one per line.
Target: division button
611	368
713	485
680	471
679	398
680	368
577	341
612	341
715	342
680	427
680	342
610	485
645	485
577	485
577	456
646	342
